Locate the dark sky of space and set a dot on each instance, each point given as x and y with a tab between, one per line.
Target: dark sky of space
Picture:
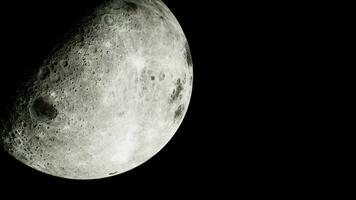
32	28
223	133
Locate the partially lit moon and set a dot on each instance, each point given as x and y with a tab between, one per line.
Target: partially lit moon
108	98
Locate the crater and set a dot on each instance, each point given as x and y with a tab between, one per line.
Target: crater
108	20
113	173
43	109
162	76
63	63
179	112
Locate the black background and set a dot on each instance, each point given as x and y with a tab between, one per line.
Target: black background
245	131
198	159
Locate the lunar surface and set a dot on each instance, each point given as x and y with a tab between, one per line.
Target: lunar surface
108	98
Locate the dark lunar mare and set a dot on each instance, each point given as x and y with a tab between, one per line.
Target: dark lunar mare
179	112
44	109
177	91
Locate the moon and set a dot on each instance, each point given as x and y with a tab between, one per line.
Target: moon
107	98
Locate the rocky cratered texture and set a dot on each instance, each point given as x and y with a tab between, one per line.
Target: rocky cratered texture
107	99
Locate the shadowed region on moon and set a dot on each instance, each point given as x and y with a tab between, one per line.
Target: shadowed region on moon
179	112
177	91
188	55
43	109
130	6
106	99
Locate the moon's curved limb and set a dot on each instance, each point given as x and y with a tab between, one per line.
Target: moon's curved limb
109	98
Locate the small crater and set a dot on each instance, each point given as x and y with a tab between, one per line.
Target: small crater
162	76
179	112
108	20
63	63
113	173
152	78
43	109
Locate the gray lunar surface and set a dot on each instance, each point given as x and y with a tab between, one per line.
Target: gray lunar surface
108	98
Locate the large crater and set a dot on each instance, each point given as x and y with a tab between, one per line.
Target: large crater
43	110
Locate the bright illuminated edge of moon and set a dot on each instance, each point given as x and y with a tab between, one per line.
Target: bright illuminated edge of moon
113	98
